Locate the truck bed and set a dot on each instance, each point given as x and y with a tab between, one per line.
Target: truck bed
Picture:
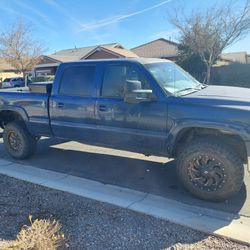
32	102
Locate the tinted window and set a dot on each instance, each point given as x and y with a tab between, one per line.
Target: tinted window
115	77
113	81
77	81
17	79
6	79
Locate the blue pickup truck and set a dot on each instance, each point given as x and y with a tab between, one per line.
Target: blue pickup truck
150	106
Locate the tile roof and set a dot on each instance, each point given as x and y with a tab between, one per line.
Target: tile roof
65	58
119	51
76	54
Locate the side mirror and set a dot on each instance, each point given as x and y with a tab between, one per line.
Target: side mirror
133	93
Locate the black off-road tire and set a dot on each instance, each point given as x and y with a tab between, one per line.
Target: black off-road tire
18	142
219	160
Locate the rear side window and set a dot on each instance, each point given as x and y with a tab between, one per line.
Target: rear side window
77	81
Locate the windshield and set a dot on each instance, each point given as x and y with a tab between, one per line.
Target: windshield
173	79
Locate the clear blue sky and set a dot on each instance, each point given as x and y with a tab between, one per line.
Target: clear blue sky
65	24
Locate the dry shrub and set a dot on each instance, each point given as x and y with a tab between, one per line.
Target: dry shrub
40	235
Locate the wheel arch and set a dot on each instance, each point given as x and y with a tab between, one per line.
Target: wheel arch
187	134
12	114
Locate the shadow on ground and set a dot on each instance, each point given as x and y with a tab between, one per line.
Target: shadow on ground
138	174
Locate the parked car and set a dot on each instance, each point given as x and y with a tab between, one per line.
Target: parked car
14	82
150	106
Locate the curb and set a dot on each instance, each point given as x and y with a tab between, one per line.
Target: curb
205	220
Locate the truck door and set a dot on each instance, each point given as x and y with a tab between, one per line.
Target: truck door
139	127
72	109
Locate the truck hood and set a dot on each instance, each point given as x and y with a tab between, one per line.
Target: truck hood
222	96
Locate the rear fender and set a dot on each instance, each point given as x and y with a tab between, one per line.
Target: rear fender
18	110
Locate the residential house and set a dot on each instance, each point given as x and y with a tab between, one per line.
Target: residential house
159	48
49	64
233	57
240	57
163	48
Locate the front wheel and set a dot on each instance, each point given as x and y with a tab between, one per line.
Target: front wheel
210	169
18	142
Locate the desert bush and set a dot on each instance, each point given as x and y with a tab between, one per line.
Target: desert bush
41	234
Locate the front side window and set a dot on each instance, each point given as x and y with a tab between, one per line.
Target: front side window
173	79
115	77
77	81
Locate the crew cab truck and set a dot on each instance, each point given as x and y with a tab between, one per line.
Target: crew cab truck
149	106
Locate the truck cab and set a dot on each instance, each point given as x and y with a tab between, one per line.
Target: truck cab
100	112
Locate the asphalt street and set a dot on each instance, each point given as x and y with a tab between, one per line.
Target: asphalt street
154	175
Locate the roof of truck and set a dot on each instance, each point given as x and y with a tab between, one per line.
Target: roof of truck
139	59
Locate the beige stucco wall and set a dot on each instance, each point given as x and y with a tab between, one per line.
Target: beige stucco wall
240	57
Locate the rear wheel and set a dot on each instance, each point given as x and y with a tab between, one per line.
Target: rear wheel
210	169
18	142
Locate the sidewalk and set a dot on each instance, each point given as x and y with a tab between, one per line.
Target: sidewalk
88	224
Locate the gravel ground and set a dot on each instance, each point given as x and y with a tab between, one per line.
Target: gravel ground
89	224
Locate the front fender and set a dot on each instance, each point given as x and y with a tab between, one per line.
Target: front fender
229	128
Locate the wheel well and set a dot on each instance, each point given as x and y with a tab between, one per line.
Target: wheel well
187	135
9	116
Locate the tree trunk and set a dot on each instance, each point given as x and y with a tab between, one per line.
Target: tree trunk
24	78
208	75
23	73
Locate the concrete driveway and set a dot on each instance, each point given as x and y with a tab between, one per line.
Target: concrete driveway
154	175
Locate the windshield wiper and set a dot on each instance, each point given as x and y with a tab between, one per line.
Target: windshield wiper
202	85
